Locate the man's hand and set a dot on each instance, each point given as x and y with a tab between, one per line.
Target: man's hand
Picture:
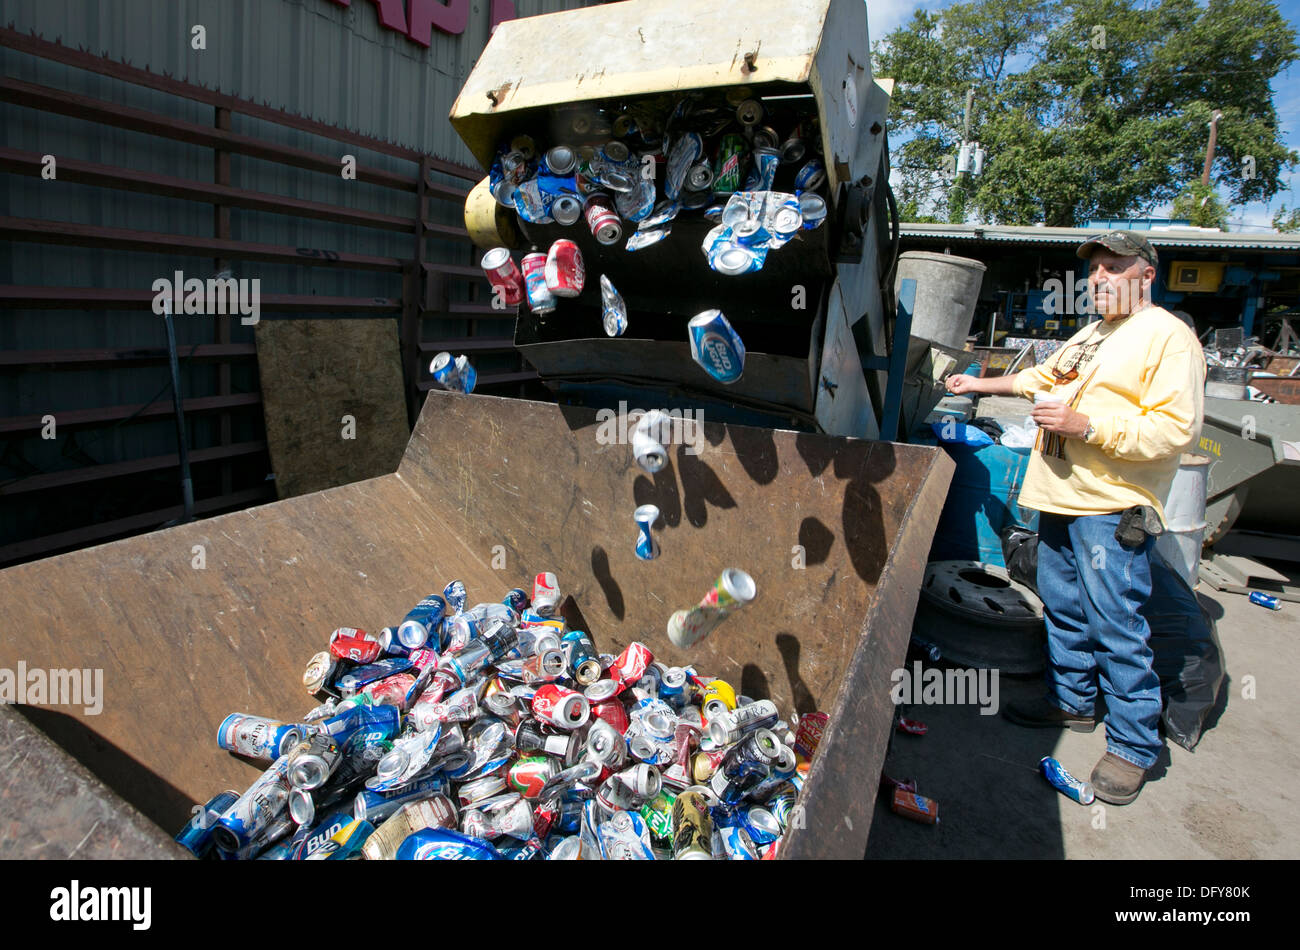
1060	418
961	383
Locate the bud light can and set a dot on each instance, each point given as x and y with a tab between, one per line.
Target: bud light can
444	844
716	347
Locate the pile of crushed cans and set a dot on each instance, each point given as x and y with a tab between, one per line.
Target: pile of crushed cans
645	162
493	731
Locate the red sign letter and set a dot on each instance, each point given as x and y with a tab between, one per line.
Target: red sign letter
449	18
502	10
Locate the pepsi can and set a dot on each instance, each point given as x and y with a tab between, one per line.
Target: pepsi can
811	176
516	599
716	347
1265	600
455	596
421	621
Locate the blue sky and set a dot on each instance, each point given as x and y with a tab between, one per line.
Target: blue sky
886	15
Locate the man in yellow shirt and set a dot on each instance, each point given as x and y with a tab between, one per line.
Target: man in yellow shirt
1126	396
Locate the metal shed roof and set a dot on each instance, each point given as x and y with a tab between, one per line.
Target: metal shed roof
1174	237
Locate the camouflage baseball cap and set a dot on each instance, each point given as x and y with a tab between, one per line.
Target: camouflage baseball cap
1124	243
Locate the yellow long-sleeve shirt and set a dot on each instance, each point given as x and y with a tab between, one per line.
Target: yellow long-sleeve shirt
1145	401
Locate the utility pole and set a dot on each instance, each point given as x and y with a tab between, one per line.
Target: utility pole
1209	148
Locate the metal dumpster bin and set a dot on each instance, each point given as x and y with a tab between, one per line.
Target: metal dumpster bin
485	481
814	310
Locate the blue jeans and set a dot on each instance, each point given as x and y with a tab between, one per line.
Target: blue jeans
1092	589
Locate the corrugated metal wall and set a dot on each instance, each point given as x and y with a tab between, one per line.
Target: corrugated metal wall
315	58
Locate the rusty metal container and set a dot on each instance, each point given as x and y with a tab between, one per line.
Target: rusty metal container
191	623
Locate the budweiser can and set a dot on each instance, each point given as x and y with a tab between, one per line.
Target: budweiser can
546	592
504	276
565	275
435	812
561	707
602	219
540	298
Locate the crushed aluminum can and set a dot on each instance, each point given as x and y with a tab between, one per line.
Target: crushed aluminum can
916	807
812	176
684	153
614	313
644	237
912	727
812	208
532	203
1064	782
637	203
729	257
762	173
625	837
564	272
664	212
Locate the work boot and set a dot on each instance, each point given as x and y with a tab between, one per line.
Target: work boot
1117	780
1042	714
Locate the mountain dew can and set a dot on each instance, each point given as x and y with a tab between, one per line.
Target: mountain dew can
658	816
727	166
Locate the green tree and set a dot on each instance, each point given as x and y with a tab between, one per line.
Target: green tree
1200	205
1286	221
1095	108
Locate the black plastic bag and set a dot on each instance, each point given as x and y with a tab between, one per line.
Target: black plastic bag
1188	657
1184	638
1020	552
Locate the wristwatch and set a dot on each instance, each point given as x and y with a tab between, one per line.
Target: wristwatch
1089	432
